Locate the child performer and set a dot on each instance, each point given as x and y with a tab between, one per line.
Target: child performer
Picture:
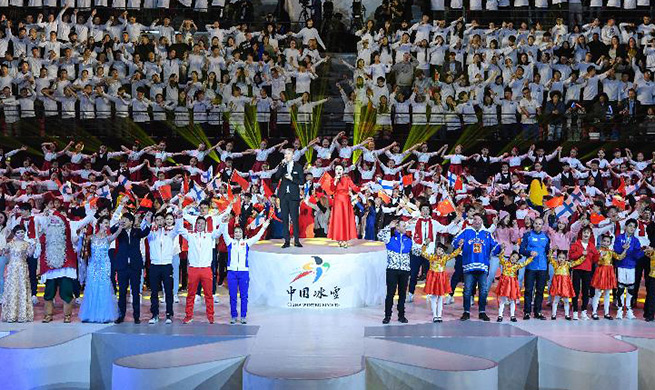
604	279
437	284
508	289
238	277
562	286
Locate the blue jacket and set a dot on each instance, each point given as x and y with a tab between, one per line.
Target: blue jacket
398	246
478	248
536	242
633	254
128	248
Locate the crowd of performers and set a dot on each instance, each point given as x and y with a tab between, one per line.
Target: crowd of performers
92	225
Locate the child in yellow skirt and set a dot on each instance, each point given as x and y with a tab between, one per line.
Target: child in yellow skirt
562	287
604	279
508	289
437	283
649	306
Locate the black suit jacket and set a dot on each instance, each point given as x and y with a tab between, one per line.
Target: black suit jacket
293	185
129	248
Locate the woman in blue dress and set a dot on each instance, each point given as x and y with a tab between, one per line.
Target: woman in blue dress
99	304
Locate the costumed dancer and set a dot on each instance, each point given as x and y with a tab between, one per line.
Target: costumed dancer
437	283
562	287
604	279
16	298
508	289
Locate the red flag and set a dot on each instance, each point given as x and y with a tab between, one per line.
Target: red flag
145	202
408	180
596	218
554	202
618	202
186	201
166	192
185	184
445	207
221	203
621	189
230	196
383	195
243	183
236	206
267	191
325	182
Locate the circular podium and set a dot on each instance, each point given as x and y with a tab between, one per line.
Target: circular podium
320	275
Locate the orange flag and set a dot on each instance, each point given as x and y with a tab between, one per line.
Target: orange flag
554	202
383	195
445	207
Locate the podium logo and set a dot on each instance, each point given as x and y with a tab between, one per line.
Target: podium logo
316	268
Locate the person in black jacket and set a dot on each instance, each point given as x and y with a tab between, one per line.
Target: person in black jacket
289	173
128	263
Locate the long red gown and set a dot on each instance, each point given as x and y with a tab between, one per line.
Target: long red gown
342	218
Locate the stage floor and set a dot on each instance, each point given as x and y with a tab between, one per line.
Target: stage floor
348	348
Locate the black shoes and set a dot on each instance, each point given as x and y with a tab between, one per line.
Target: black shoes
513	319
608	317
137	321
595	317
649	319
540	317
465	317
402	320
568	318
437	320
386	320
286	245
297	244
553	318
500	319
484	317
526	317
119	320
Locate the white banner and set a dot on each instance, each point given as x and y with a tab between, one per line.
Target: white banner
325	281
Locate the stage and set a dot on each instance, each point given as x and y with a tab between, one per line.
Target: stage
327	347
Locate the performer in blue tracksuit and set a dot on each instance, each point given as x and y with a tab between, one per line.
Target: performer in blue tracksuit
536	273
238	277
625	271
478	247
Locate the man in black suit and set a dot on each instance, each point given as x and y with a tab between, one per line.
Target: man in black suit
128	263
290	175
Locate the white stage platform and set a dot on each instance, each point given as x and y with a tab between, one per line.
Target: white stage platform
319	275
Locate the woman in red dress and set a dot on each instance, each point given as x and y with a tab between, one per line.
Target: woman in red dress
342	218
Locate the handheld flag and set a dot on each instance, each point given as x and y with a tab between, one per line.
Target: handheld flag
325	182
445	207
621	189
66	188
243	183
554	202
207	175
454	181
267	190
408	180
122	180
165	192
596	218
383	195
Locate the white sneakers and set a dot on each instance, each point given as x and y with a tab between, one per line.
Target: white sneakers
410	297
153	320
176	299
35	300
449	300
619	314
168	321
217	299
197	299
630	315
78	301
584	316
575	316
